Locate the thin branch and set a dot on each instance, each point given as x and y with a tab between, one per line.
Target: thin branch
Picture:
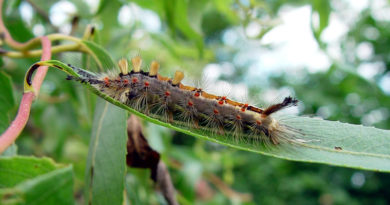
8	38
37	53
31	43
227	191
43	14
16	127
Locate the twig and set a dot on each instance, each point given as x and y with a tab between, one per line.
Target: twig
31	43
43	14
36	53
218	183
75	24
226	190
16	127
8	38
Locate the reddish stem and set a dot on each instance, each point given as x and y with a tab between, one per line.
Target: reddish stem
7	37
16	127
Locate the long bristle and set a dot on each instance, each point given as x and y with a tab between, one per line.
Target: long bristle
137	63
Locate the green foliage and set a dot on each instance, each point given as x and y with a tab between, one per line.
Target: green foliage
62	118
106	164
322	9
7	102
35	181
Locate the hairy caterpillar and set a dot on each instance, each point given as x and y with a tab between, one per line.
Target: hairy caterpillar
170	101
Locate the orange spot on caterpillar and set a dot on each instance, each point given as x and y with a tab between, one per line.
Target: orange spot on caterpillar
258	122
125	81
167	93
134	80
190	103
106	81
146	83
222	100
244	107
238	117
198	92
216	111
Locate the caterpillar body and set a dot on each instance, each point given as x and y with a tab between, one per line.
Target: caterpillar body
171	101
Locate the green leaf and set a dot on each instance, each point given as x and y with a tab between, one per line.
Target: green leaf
27	168
337	143
101	57
176	14
84	11
106	164
322	8
35	181
7	102
108	15
225	7
6	98
101	6
361	147
156	6
45	5
17	28
180	19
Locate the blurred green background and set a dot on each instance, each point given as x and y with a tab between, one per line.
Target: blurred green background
333	56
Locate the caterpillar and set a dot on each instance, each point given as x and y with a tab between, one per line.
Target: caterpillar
170	101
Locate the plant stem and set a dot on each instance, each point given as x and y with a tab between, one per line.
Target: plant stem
37	53
16	127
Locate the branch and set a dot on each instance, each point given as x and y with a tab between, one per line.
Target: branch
16	127
42	13
6	36
227	191
37	53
